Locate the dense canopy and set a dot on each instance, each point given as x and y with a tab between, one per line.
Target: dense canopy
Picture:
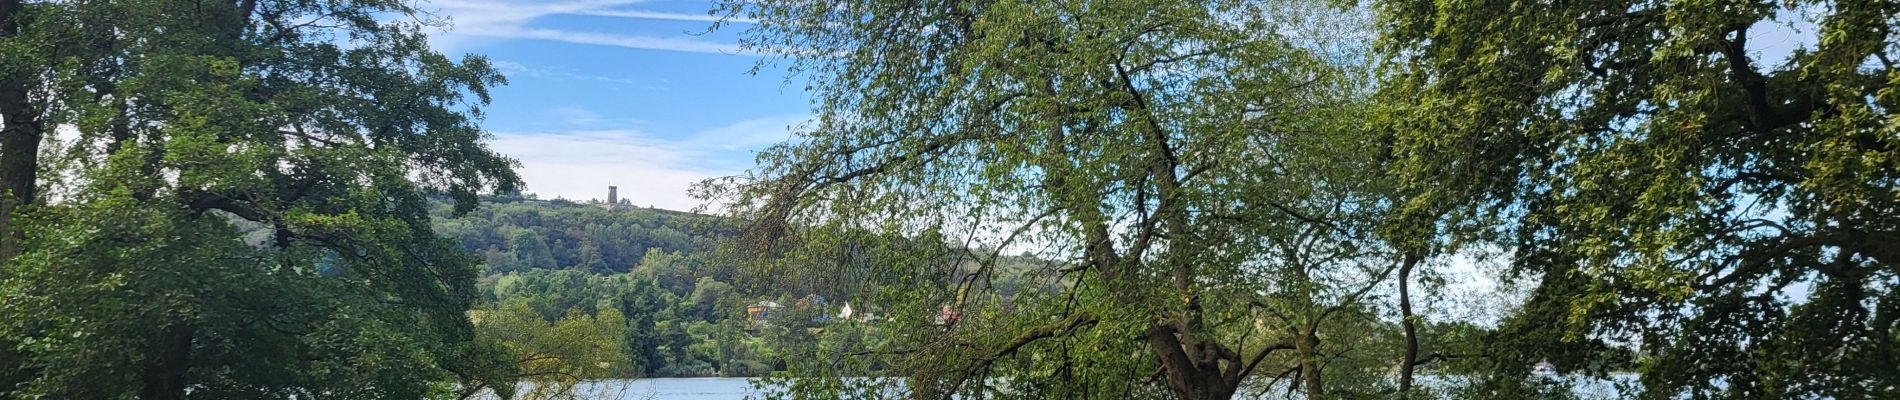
231	200
1687	177
1221	188
1191	169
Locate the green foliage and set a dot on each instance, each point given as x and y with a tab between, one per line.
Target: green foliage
518	235
1666	183
242	211
530	250
1189	167
659	334
550	357
706	301
270	199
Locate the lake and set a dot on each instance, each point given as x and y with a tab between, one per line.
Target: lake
740	389
669	389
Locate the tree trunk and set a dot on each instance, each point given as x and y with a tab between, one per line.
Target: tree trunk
1185	378
1308	346
165	371
1410	359
20	134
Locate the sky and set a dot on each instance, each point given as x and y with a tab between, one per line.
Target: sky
630	93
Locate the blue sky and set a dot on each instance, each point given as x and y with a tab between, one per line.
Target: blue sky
628	92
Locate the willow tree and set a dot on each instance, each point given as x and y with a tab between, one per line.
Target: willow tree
1190	169
239	208
1677	182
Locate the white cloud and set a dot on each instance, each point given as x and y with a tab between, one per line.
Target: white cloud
486	19
579	166
516	69
577	116
639	14
649	170
628	41
751	134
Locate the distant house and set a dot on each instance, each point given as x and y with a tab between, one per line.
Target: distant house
759	311
947	315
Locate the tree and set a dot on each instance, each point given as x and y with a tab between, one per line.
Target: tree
589	257
201	124
669	269
643	302
703	304
21	125
578	236
531	250
1669	181
1188	165
553	357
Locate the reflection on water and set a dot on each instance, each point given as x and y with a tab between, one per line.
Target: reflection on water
668	389
740	389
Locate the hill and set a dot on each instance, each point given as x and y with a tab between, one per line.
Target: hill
652	280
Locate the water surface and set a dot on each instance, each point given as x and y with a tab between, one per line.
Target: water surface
668	389
741	389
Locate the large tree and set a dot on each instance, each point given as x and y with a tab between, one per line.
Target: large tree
1687	177
1194	169
239	210
21	129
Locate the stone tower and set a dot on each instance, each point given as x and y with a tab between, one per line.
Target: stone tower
613	196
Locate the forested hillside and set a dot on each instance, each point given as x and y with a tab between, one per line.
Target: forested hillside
648	291
634	288
516	234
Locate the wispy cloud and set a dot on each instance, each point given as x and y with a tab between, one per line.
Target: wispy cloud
514	69
579	166
751	134
489	19
628	41
650	170
667	16
577	116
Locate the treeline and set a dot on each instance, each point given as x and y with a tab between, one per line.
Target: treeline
648	284
516	234
676	310
659	297
644	278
